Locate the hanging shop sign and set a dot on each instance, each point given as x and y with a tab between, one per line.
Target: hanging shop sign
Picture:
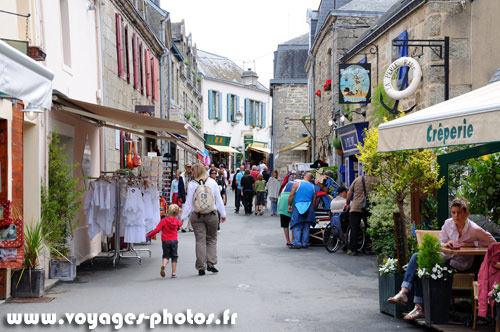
355	83
350	136
11	238
393	68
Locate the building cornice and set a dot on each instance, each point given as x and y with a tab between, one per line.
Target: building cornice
241	85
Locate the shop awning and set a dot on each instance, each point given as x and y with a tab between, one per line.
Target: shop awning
23	78
259	147
223	148
296	145
127	121
472	118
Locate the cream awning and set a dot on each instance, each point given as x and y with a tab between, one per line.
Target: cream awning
297	145
127	121
23	78
472	118
259	147
223	148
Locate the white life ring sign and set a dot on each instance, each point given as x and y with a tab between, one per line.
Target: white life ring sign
417	75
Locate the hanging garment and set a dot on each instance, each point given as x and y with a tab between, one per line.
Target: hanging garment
133	216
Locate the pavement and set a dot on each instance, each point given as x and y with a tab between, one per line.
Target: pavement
270	287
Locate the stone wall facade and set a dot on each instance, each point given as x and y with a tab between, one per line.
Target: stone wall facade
433	21
289	100
119	92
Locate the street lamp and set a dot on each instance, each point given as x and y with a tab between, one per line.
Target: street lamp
32	111
239	116
343	117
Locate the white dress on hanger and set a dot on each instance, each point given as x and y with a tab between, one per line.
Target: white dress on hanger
133	216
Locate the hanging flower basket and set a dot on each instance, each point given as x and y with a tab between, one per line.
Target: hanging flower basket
328	85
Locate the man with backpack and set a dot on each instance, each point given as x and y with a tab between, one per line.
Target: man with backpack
202	203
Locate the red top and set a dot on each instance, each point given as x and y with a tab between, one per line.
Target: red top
254	174
168	227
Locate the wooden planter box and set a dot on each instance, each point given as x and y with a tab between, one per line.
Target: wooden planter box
389	285
63	269
437	295
32	283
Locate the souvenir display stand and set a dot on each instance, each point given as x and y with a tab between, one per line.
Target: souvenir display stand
122	178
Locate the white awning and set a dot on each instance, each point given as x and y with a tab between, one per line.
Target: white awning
223	148
23	78
472	118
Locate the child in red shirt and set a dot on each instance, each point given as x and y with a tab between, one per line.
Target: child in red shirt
168	227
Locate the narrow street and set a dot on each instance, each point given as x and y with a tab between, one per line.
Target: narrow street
270	287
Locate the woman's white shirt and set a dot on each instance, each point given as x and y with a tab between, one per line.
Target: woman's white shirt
188	207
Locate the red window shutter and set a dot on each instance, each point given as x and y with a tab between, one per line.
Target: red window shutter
141	68
155	79
119	43
148	73
135	62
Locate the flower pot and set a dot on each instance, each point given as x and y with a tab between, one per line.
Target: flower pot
437	295
32	283
340	152
388	285
63	269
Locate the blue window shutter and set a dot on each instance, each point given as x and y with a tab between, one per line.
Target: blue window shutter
402	51
256	110
228	107
237	108
210	104
247	111
364	60
263	116
219	105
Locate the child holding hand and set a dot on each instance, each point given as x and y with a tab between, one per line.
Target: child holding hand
168	227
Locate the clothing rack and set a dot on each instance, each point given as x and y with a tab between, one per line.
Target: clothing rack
117	253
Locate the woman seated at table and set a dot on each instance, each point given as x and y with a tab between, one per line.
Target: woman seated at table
457	231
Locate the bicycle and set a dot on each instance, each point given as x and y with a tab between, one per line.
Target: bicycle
333	237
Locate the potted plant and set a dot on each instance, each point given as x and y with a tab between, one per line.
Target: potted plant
436	281
61	202
187	115
30	281
318	93
389	283
328	85
198	79
337	144
217	119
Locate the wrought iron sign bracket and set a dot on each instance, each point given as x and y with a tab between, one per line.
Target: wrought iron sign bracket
440	47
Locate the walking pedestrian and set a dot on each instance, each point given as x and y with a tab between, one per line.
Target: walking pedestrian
285	215
303	196
358	191
202	203
238	193
247	187
260	188
273	191
186	176
174	189
168	227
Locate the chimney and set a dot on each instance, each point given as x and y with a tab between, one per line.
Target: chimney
249	78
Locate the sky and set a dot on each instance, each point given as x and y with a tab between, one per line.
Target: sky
245	31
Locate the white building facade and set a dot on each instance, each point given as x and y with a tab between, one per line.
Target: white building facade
227	97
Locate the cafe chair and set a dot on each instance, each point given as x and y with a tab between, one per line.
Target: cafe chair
462	287
419	233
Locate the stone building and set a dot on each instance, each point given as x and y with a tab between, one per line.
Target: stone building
334	27
131	59
289	93
185	94
472	60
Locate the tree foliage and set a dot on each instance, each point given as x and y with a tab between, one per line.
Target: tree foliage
60	200
399	172
481	186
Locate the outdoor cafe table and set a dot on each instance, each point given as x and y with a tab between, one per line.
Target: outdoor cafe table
466	251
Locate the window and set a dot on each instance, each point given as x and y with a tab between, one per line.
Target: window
66	39
135	61
255	113
126	64
214	105
233	106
